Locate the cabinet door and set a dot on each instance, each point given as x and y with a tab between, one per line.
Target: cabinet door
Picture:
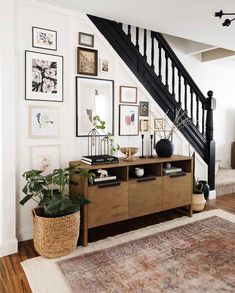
177	191
145	197
107	204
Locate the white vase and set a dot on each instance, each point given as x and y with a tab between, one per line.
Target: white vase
198	202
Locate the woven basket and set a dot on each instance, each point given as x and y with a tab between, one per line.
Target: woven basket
55	237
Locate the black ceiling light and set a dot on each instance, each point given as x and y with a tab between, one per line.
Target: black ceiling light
227	21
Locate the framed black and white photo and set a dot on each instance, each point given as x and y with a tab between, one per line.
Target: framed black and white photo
44	38
144	108
87	61
94	97
144	125
104	65
43	122
128	94
128	120
43	77
85	39
45	158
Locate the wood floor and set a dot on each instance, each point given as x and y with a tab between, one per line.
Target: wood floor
12	277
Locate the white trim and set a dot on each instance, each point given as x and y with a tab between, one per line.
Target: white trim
8	247
212	194
25	234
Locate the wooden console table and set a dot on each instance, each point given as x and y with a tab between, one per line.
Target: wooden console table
130	196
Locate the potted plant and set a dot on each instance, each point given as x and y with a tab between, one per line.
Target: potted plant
57	217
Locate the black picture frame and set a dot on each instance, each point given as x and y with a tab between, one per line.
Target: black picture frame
45	97
144	108
81	63
80	132
86	44
46	30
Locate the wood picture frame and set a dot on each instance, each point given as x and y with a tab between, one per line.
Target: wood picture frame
144	125
128	94
144	108
44	38
128	120
85	39
159	123
87	61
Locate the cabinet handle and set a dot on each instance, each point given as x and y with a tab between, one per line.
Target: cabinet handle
177	174
146	179
110	184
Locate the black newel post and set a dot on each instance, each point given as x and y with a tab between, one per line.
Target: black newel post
211	105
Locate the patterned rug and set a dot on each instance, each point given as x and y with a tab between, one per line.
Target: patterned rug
197	255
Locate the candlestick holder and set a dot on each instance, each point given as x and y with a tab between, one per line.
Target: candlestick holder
142	144
151	147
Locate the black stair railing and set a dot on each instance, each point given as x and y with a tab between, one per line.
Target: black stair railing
158	68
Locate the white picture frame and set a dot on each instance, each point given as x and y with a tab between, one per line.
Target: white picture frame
128	120
45	158
43	121
44	38
43	77
104	65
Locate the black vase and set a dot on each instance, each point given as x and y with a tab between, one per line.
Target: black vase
205	188
164	148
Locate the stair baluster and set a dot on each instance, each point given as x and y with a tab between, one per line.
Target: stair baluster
145	45
152	51
166	70
173	79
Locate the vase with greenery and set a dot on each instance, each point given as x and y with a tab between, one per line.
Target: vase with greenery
57	217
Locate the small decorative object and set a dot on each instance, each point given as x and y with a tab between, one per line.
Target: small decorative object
44	38
87	61
129	152
205	188
159	123
142	147
128	120
144	108
168	165
57	218
128	94
45	158
139	172
164	148
94	97
144	125
43	122
151	147
102	172
104	65
85	39
44	77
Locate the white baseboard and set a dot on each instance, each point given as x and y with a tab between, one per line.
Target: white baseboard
212	194
25	234
8	247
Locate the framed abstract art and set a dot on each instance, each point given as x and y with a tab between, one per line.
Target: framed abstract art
128	120
44	38
43	77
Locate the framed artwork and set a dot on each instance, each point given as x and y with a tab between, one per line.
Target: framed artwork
144	125
87	61
104	65
43	122
45	158
44	38
43	77
144	108
94	97
158	123
128	120
128	94
85	39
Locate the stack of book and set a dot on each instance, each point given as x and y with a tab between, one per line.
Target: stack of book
104	179
100	159
173	171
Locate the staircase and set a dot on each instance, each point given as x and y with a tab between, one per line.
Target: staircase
157	67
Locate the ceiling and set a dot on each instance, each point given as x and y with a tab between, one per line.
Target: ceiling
190	19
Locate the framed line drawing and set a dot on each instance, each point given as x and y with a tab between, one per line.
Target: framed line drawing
144	108
43	122
144	125
128	120
159	123
94	97
43	77
85	39
128	94
45	158
44	38
87	61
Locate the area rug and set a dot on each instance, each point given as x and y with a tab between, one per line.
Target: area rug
184	255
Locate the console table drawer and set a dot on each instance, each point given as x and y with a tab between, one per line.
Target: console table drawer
108	205
145	197
177	191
